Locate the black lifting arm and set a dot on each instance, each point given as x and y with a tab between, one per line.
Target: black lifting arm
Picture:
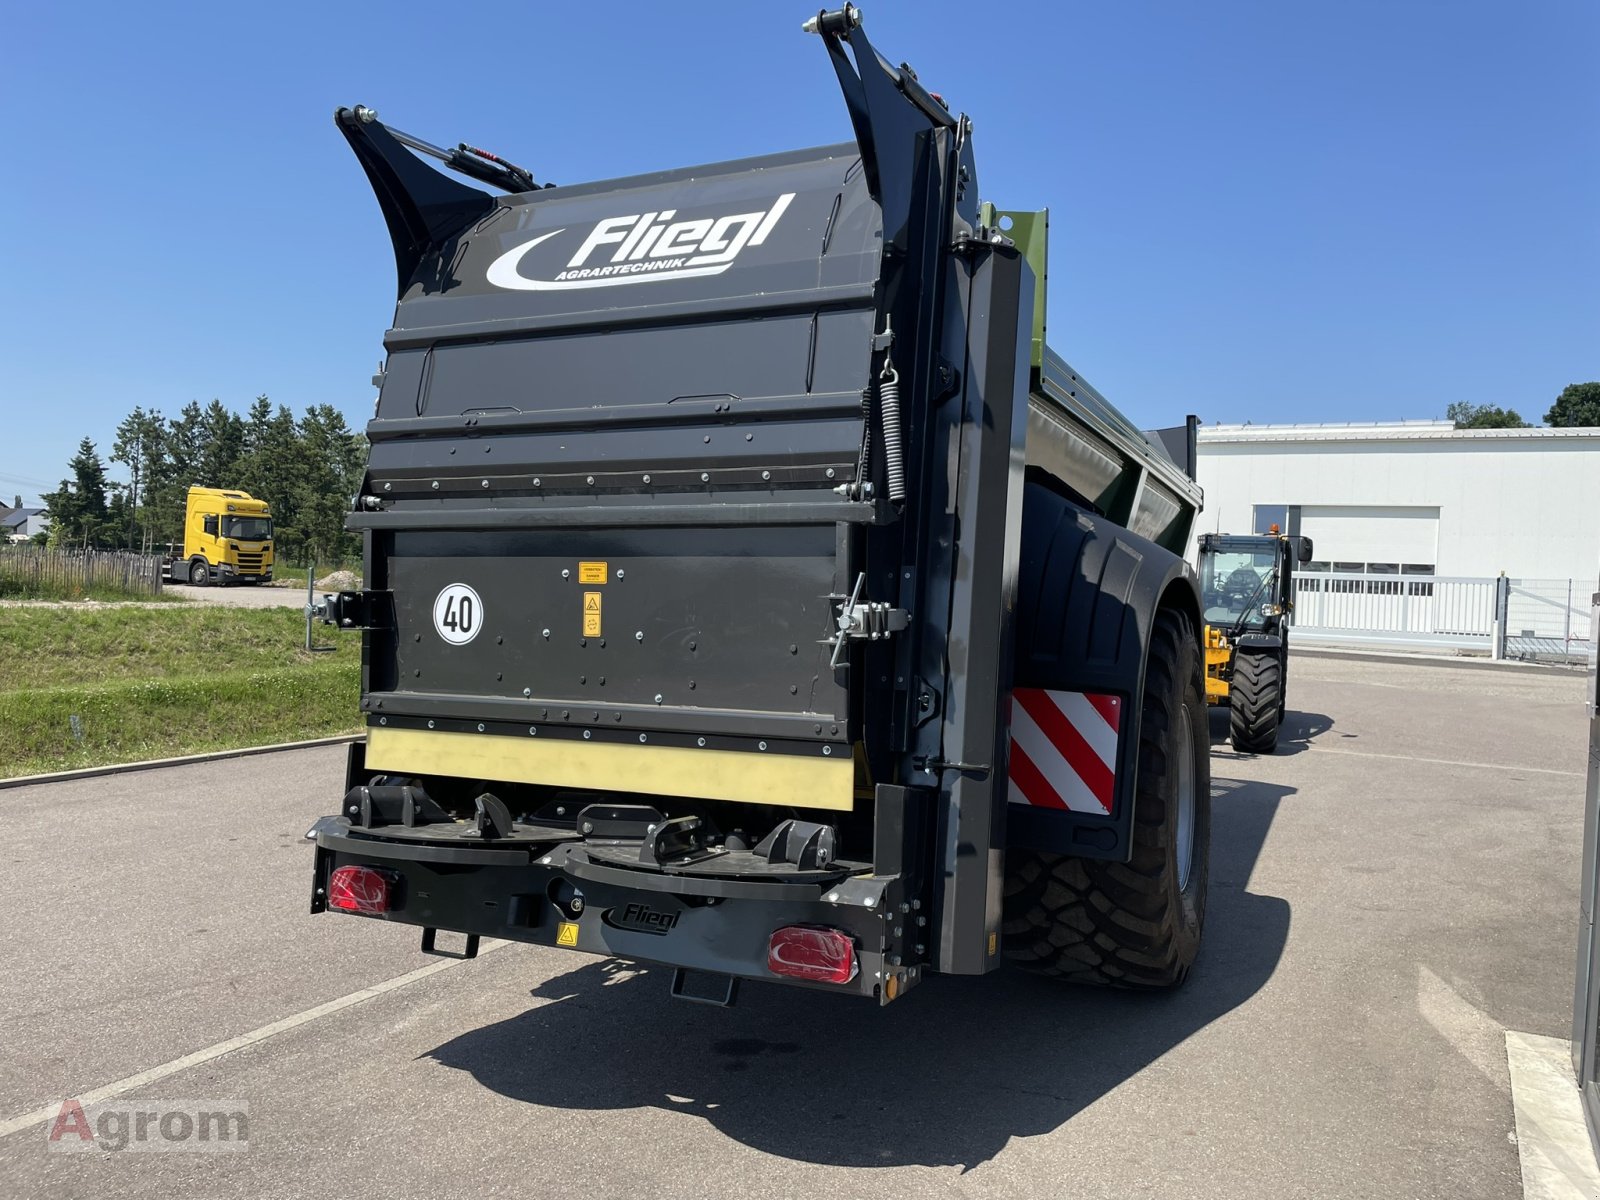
888	108
421	206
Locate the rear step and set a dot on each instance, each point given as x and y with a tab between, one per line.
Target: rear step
727	985
428	947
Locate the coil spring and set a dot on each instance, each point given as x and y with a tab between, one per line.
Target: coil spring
889	411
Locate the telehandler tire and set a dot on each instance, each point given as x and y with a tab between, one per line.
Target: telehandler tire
1135	924
1255	703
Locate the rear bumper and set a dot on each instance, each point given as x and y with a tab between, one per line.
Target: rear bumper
561	895
231	571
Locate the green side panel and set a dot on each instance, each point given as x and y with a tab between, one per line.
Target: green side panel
1074	433
1031	232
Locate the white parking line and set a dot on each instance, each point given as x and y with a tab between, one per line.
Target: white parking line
1448	762
1557	1160
40	1115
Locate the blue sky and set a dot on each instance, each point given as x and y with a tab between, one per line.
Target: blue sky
1260	211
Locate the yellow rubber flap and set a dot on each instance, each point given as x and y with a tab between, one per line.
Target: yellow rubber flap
751	777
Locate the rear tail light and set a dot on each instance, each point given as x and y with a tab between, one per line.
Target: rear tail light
361	890
810	952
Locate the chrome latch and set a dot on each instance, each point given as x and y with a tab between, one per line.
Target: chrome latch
863	620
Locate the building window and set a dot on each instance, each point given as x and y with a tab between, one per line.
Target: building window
1268	515
1285	516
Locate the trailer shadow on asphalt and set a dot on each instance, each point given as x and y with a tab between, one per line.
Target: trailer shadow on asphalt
946	1076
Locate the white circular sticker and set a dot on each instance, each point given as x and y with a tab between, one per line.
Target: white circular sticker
457	614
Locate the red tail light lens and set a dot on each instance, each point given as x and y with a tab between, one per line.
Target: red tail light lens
810	952
361	890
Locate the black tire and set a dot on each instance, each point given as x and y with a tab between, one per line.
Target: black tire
1255	703
1135	924
199	573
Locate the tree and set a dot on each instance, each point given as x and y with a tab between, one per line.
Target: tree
78	507
186	442
141	447
257	425
1578	404
182	446
221	447
270	468
1485	416
331	460
119	513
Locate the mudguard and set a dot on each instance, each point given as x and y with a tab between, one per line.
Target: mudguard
1087	600
1255	643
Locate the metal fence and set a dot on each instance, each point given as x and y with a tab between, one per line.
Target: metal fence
1506	617
1546	619
35	571
1437	610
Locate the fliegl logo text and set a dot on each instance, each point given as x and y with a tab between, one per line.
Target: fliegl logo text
637	247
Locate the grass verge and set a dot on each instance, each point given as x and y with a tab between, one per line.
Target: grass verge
148	683
19	589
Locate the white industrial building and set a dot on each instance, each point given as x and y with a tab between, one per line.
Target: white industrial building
1421	499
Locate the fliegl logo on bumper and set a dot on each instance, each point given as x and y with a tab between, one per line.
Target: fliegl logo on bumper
638	247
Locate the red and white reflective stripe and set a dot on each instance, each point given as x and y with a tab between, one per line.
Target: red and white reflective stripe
1064	749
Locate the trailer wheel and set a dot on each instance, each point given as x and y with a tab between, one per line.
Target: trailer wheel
199	573
1255	703
1134	924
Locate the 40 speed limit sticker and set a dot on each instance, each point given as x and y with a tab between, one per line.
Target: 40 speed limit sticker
458	614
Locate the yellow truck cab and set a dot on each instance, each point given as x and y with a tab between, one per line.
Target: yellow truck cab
227	538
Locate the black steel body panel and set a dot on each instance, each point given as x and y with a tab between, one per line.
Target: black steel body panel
787	354
792	260
738	365
619	512
1088	598
684	418
734	623
784	733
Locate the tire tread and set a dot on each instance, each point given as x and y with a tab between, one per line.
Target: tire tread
1255	703
1113	924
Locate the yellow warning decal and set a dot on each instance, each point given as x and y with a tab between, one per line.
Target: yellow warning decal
566	933
994	943
591	572
591	614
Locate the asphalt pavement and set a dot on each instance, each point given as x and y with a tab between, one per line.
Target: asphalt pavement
1390	894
